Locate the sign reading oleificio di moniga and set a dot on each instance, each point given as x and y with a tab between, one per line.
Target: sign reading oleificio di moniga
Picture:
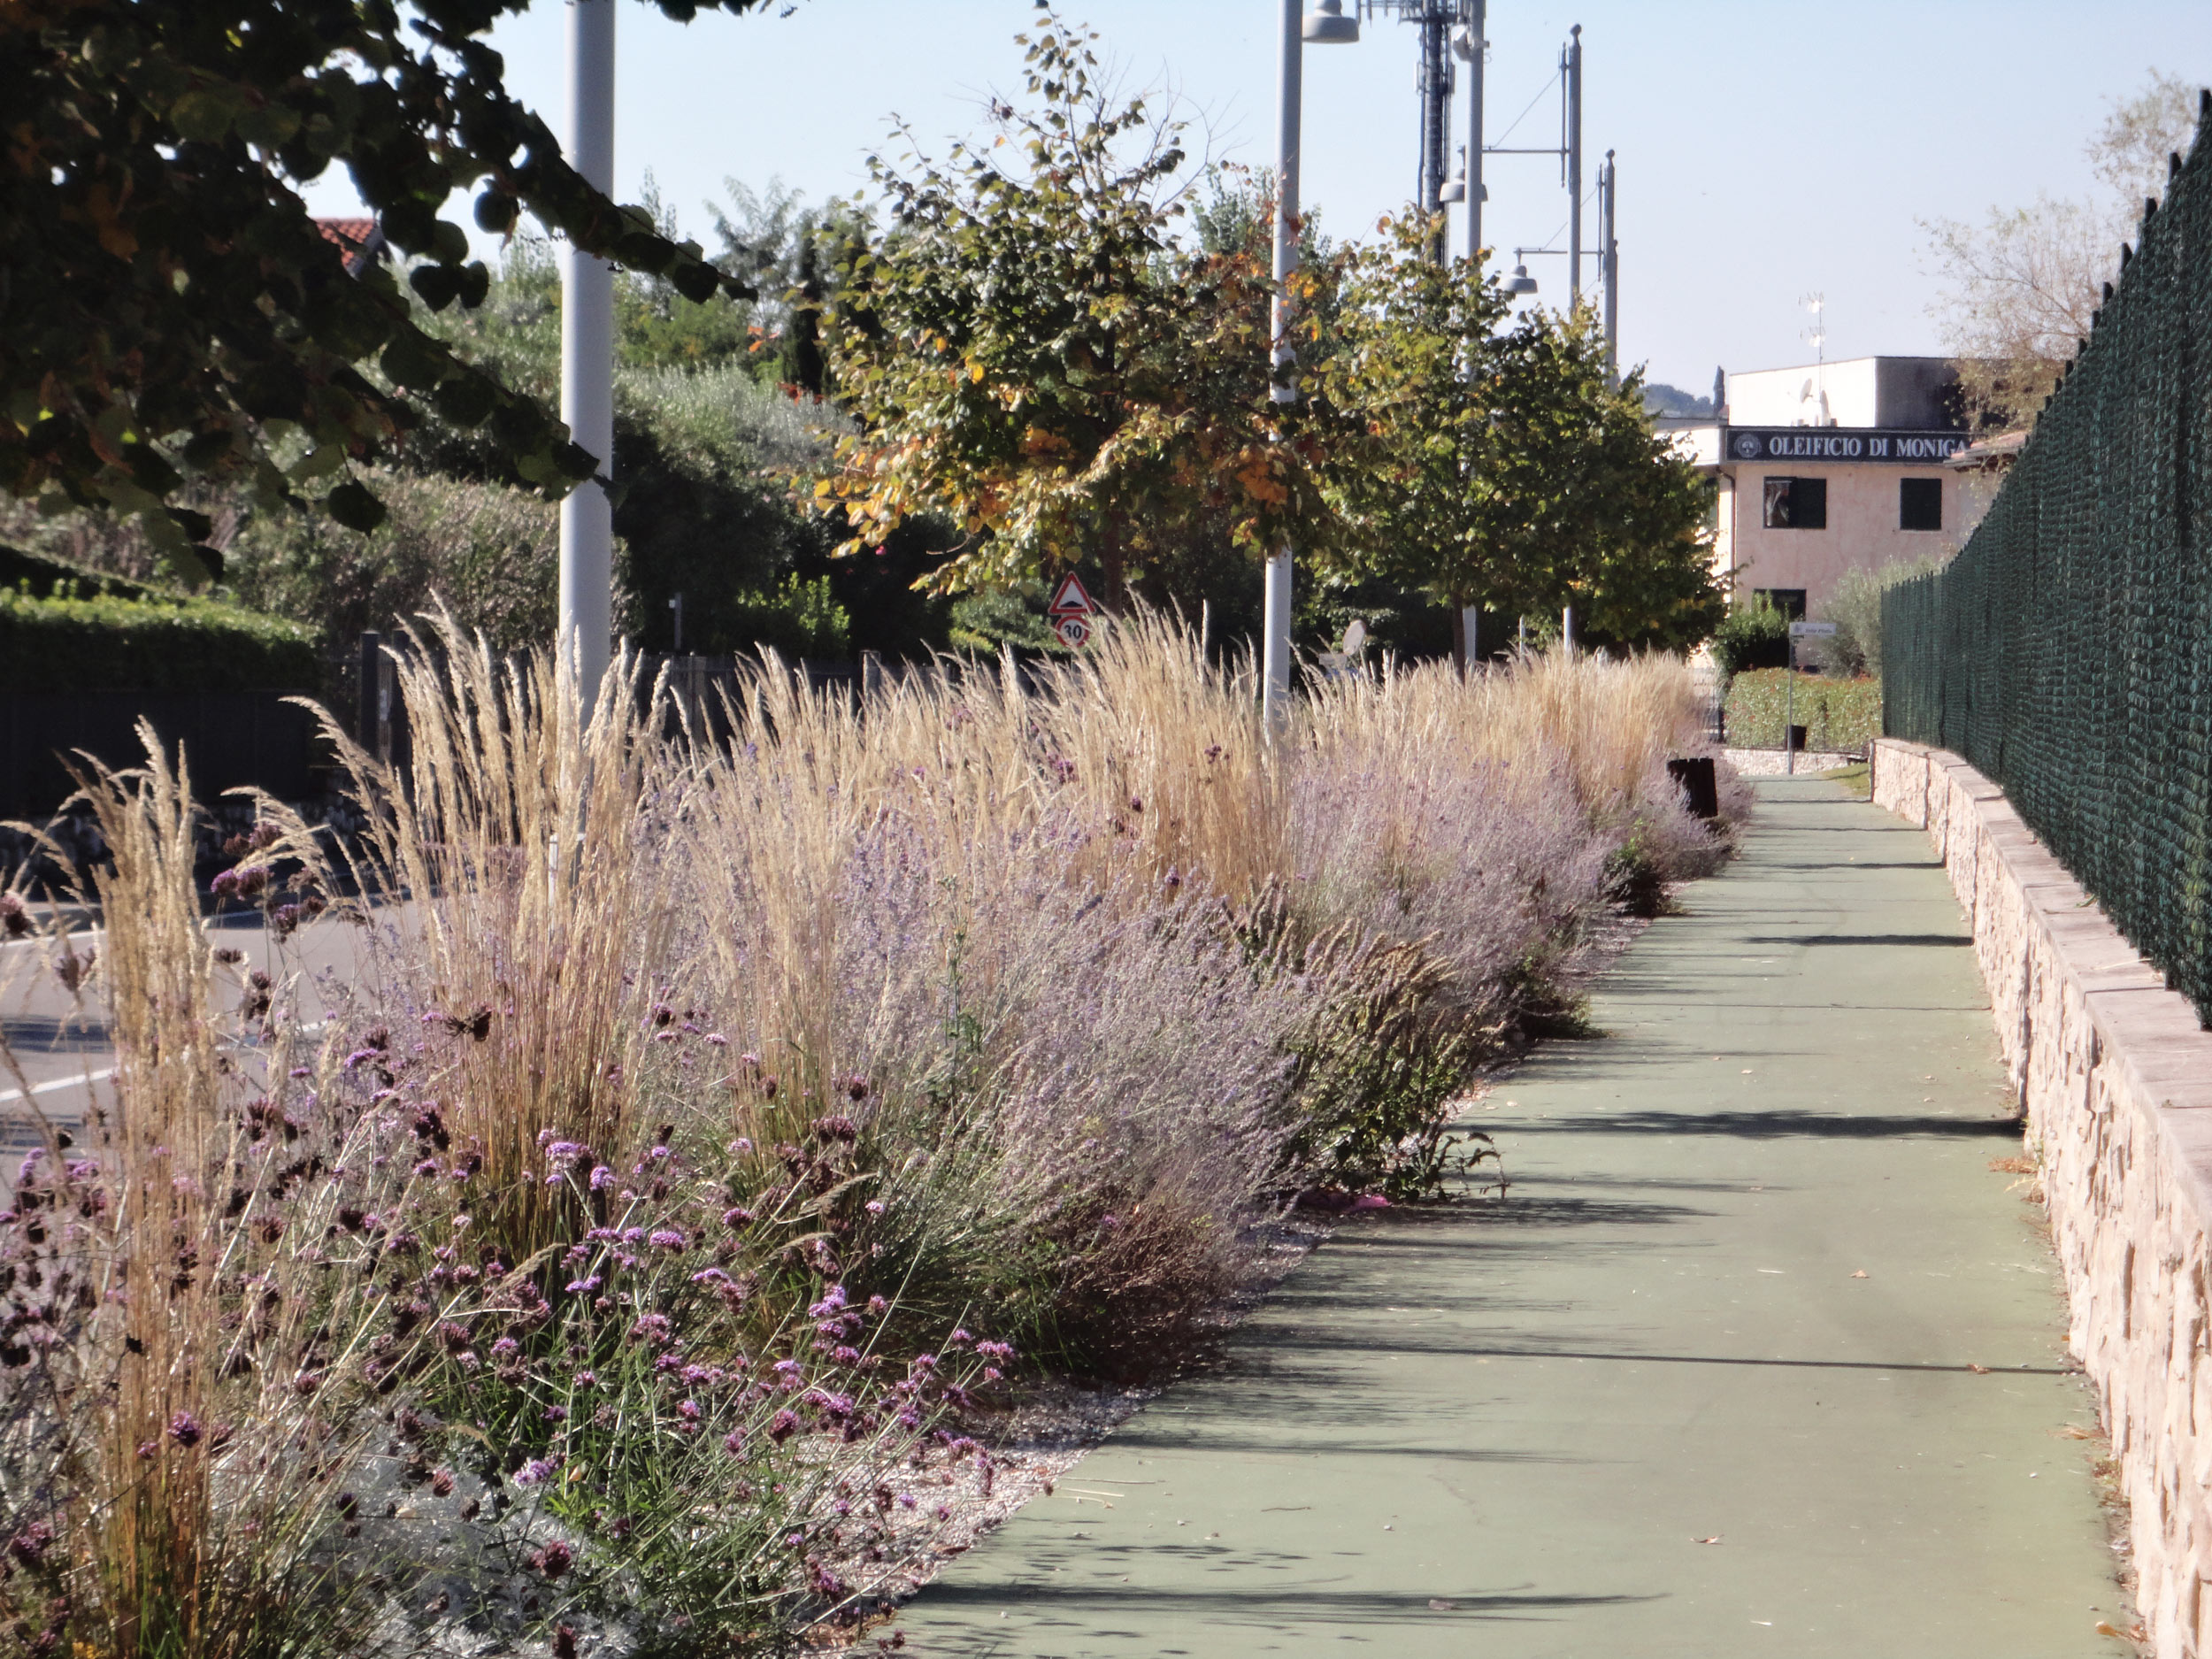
1841	444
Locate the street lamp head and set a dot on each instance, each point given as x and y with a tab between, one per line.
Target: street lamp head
1454	189
1327	26
1520	282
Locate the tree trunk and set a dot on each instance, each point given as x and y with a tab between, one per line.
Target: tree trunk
1115	599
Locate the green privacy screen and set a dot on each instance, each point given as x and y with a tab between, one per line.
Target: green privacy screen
2067	651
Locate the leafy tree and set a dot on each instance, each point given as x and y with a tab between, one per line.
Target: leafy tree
796	255
2022	288
1504	468
169	309
1854	605
1031	353
1414	363
1593	508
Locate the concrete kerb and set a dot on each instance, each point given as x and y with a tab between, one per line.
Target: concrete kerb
2114	1076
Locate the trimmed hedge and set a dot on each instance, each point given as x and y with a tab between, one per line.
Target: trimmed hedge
106	643
1839	715
40	574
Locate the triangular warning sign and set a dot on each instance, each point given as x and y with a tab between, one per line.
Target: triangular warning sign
1069	599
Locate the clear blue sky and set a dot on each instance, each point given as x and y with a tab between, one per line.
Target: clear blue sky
1765	149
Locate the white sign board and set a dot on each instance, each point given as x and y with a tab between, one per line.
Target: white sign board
1811	630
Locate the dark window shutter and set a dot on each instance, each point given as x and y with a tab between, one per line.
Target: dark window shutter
1920	504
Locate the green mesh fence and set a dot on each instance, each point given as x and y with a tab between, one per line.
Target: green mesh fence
2067	651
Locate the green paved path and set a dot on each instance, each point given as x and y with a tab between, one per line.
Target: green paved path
1505	1432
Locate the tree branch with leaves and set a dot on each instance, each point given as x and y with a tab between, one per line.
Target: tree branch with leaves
2022	287
169	312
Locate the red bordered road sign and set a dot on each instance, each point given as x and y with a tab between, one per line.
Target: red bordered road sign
1074	632
1069	599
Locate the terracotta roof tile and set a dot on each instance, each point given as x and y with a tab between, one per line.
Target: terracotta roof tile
360	240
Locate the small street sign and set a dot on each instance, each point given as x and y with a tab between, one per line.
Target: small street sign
1074	632
1069	599
1798	631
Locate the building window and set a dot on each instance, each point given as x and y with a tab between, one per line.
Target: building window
1920	504
1789	601
1797	504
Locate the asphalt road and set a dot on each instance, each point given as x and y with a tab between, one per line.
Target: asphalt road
60	1041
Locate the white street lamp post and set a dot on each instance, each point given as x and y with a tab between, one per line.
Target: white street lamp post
587	359
1326	27
1470	48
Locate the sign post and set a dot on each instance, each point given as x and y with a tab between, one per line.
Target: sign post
1072	611
1798	631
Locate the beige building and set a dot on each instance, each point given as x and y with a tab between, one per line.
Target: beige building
1831	467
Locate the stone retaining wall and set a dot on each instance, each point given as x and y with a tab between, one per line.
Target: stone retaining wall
2114	1076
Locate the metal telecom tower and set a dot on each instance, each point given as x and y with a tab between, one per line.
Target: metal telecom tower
1455	28
1440	21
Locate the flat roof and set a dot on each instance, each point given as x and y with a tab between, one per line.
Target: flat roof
1839	363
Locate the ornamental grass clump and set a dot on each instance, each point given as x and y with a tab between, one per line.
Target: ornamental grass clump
179	1356
518	867
627	1236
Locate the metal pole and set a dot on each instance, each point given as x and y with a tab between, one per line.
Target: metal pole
1609	263
368	715
1477	27
588	357
1275	677
1474	133
1789	714
1574	164
1567	629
